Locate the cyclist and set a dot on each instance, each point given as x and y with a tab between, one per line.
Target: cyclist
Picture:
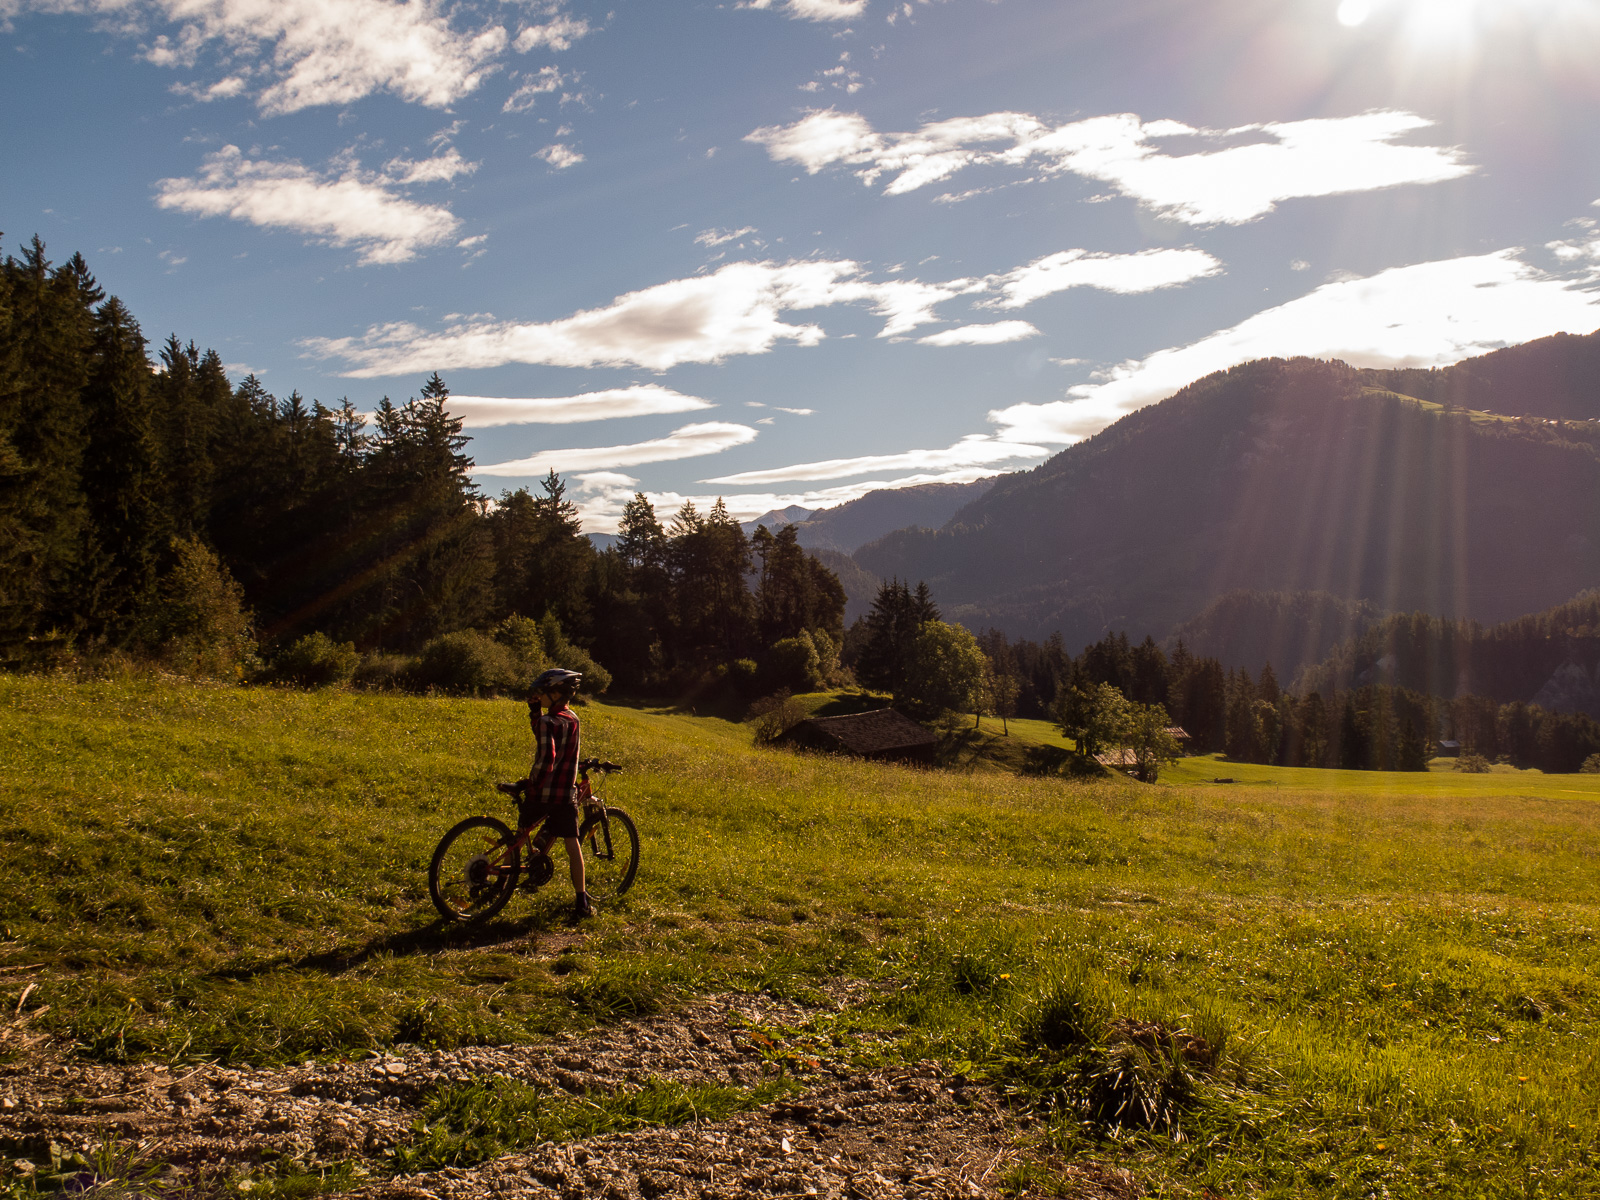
549	794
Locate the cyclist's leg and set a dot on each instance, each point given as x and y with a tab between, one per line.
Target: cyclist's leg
575	865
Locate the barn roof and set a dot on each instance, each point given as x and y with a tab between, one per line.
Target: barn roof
881	731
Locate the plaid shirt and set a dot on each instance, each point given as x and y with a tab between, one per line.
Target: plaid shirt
555	762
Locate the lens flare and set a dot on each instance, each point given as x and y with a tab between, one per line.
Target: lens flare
1354	12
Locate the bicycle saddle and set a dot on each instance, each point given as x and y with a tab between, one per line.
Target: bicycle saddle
514	790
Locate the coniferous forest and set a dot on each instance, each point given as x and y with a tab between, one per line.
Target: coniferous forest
154	508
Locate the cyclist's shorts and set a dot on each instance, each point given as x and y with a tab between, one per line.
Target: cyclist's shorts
560	820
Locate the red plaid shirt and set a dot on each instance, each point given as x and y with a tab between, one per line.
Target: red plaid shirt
555	761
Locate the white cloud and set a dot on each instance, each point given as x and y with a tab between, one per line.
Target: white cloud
601	495
815	10
1216	184
705	318
346	207
559	156
1428	315
794	412
558	33
438	169
737	310
981	335
720	237
223	89
1583	250
546	79
974	450
1125	274
688	441
313	52
640	400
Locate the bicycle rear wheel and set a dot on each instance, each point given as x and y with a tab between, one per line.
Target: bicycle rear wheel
610	852
474	870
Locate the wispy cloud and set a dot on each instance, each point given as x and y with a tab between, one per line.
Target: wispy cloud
735	310
689	441
1582	250
974	450
311	52
711	238
1233	175
343	207
640	400
992	334
1427	315
705	318
600	495
439	169
814	10
558	33
540	83
1127	274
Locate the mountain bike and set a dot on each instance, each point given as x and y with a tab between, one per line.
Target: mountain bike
477	864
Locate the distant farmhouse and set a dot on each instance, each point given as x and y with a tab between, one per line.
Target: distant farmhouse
881	734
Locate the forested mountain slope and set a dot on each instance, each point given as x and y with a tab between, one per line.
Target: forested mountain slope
1276	475
1553	377
1287	630
1549	658
859	521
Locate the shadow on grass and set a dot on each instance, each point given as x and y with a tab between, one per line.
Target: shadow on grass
436	937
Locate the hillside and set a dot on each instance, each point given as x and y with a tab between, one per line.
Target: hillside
1290	630
1555	377
858	522
1550	658
860	585
1274	476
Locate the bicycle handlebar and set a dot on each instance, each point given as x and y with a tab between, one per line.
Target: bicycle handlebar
594	764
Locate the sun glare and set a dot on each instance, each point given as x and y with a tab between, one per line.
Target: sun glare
1354	12
1452	20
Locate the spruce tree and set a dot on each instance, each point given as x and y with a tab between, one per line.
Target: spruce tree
123	478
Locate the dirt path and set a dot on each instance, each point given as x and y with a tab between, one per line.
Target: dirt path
903	1132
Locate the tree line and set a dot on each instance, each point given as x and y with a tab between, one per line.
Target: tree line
155	508
1373	726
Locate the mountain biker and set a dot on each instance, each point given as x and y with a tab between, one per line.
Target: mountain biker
549	791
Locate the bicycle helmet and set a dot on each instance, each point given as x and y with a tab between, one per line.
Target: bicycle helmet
555	677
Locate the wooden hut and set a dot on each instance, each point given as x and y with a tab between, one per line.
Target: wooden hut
882	733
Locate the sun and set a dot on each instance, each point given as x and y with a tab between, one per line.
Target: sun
1443	20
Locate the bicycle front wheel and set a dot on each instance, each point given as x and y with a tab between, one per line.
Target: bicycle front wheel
474	870
610	852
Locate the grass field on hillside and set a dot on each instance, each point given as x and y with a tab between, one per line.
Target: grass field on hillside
1396	973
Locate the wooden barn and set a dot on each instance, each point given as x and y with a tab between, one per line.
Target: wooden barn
882	733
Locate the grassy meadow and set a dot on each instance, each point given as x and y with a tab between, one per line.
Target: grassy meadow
1394	974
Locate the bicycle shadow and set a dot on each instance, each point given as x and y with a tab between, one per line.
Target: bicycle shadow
438	937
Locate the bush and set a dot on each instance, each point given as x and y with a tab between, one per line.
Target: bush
384	672
774	716
792	663
200	623
316	660
1473	764
538	645
525	641
1591	765
466	663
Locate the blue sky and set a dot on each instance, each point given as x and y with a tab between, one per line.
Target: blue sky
787	251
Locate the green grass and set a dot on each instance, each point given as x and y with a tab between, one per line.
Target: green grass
1400	967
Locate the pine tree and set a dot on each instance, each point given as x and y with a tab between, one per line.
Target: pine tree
46	341
185	426
123	478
